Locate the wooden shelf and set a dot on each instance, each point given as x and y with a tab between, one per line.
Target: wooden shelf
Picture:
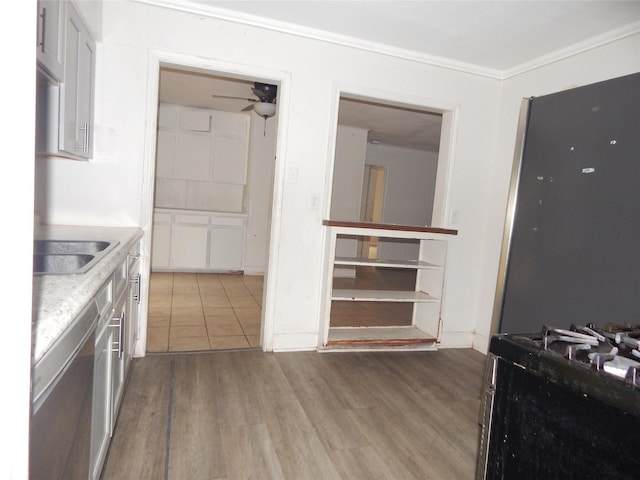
381	262
382	296
429	267
378	338
389	226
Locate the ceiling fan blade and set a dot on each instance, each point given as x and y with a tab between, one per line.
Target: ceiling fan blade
235	98
247	108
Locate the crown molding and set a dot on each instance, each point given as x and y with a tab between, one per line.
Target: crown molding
575	49
201	9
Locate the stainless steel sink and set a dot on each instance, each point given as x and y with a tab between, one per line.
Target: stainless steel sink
56	257
61	263
69	246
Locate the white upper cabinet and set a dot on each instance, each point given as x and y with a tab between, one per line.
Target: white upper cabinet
65	109
76	92
50	39
201	159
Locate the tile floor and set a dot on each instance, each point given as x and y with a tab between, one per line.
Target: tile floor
200	312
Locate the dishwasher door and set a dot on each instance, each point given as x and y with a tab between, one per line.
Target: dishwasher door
61	420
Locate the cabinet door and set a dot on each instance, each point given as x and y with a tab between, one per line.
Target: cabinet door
193	156
230	159
50	44
119	324
161	245
101	417
76	93
133	308
86	61
230	147
227	249
189	246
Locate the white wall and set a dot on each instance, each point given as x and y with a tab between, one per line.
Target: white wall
17	124
313	74
410	181
612	60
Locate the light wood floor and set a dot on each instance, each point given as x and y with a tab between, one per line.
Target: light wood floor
305	415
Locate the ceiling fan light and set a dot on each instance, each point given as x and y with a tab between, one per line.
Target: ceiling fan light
265	109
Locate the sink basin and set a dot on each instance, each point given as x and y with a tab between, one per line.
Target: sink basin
47	263
69	246
53	257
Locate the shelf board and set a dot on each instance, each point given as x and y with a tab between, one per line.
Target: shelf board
389	226
381	262
379	338
381	296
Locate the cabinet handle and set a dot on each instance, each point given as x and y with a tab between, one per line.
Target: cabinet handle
84	146
43	16
119	324
136	295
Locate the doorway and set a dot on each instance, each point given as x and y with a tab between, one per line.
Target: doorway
209	298
371	210
393	152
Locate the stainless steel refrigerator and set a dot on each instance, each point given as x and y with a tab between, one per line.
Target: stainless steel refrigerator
571	247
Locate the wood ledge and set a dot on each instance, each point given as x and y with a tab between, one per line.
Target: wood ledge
389	226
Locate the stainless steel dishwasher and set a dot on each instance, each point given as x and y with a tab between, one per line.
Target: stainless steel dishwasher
60	431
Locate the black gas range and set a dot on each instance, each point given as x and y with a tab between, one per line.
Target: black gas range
562	404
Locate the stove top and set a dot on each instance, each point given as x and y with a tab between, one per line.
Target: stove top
600	362
614	349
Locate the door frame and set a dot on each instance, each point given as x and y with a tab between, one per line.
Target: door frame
441	200
156	60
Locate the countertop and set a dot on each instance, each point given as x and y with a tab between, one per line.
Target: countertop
58	299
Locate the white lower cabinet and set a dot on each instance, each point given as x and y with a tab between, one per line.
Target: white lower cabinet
119	324
197	241
189	246
101	419
225	248
134	289
115	337
101	413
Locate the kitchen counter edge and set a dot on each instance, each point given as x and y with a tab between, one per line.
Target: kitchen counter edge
59	299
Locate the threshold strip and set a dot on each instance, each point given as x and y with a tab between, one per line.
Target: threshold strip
168	445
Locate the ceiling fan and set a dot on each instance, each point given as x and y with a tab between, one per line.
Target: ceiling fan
265	104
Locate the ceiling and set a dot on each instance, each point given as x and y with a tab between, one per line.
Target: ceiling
494	38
